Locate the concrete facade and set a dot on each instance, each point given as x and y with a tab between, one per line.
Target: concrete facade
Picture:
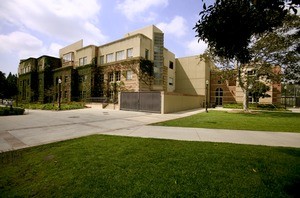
137	62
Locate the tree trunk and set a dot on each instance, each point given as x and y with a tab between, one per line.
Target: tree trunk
246	100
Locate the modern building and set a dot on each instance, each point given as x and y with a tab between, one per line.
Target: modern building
136	63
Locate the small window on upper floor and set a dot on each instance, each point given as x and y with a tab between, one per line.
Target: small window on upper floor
101	60
68	57
146	54
110	58
171	65
83	61
130	53
120	55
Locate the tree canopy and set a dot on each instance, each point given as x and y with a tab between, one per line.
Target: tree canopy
229	25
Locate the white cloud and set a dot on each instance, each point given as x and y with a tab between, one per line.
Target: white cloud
136	9
195	48
64	20
177	27
21	43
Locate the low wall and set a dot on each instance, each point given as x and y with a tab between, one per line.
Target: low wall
175	102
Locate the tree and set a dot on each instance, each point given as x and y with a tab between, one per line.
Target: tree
3	85
231	26
12	85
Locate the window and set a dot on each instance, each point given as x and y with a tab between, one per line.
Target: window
253	98
251	72
129	52
82	78
171	65
101	78
219	96
146	54
111	77
118	76
83	61
120	55
68	57
170	81
110	58
129	75
101	60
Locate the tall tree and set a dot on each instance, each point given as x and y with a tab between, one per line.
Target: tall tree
12	85
3	84
230	27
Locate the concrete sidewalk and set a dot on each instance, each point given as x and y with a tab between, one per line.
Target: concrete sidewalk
282	139
43	127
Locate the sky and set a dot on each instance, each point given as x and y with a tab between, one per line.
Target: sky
32	28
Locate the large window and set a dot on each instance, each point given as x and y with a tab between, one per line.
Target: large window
120	55
110	58
68	57
129	75
130	53
83	61
101	60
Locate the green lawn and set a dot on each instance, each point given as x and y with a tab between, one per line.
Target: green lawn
257	121
110	166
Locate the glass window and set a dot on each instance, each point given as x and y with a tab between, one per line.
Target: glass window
129	52
171	65
120	55
129	75
101	60
68	57
170	81
111	77
83	61
118	76
146	54
110	58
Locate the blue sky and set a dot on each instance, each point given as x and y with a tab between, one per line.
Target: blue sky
32	28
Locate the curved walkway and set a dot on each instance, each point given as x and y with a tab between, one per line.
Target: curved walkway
41	127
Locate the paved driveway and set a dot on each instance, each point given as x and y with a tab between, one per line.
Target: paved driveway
40	127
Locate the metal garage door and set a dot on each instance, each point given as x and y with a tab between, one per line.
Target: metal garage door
141	101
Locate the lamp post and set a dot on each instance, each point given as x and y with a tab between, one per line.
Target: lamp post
59	90
206	95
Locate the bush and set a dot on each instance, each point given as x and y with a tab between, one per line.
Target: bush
270	107
5	111
52	106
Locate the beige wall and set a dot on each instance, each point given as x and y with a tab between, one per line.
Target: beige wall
138	43
71	48
172	102
88	51
191	74
169	56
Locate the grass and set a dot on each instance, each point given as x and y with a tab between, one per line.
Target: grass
54	106
256	121
110	166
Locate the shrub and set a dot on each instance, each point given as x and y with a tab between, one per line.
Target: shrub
5	111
